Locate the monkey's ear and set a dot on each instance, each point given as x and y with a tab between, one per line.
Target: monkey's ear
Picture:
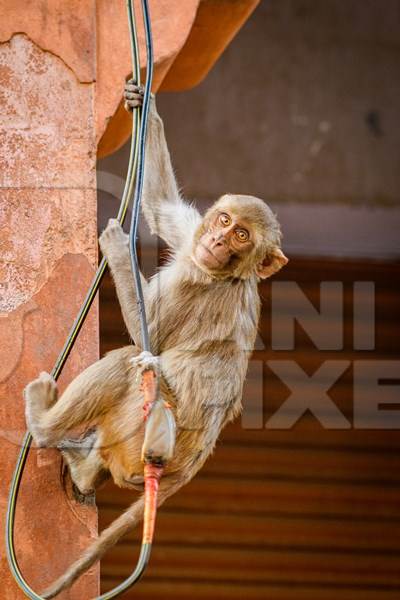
273	261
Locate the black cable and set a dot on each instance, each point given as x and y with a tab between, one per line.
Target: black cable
133	234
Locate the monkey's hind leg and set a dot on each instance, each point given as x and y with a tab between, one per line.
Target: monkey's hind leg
86	467
40	395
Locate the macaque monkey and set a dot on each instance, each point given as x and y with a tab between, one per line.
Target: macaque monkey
202	309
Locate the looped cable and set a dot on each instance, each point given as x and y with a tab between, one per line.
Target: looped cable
136	152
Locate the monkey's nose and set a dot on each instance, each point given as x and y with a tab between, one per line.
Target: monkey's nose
219	239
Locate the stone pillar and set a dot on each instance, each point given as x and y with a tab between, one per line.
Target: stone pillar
47	259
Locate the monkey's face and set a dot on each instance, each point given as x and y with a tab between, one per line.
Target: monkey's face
238	237
225	240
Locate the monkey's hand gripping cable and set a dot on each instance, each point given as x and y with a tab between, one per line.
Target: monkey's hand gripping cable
159	438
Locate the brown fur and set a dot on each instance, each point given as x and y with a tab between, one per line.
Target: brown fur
202	325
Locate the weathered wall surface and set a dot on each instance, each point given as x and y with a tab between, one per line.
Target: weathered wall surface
47	259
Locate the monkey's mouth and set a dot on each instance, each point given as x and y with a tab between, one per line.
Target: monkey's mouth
206	254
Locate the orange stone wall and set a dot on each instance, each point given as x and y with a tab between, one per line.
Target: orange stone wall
47	259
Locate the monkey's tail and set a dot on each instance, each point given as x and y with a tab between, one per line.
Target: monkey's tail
122	525
145	506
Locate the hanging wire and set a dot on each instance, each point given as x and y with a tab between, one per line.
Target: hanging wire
137	149
133	235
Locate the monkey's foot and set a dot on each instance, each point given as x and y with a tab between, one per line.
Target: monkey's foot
40	395
88	499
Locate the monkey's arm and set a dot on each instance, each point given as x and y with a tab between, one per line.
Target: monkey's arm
167	214
114	244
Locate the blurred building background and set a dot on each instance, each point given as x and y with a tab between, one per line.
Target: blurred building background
302	110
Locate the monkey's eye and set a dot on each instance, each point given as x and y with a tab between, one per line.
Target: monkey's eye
242	235
225	219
